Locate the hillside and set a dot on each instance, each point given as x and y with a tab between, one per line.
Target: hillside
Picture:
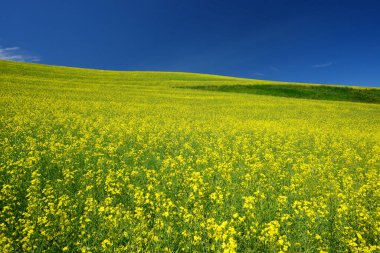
117	79
112	161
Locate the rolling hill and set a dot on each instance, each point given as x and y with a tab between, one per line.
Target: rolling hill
113	161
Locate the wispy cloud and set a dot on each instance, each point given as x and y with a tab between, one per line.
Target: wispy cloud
323	65
16	54
257	74
274	68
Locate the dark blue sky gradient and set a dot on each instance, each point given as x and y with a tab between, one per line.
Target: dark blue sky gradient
320	41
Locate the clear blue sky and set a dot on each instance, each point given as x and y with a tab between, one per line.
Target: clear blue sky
323	41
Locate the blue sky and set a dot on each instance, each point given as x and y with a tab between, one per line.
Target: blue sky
322	41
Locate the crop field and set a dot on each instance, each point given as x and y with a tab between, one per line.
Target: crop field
107	161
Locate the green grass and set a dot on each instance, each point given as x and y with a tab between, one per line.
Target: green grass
320	92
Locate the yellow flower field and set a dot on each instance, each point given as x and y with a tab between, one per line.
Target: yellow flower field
106	161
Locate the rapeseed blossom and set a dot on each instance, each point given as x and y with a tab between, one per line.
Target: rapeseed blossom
96	161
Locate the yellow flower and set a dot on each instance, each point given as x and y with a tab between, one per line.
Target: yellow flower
106	244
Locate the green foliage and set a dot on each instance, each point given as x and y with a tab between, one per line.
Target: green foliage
322	92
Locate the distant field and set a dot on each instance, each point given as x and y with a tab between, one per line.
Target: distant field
321	92
112	161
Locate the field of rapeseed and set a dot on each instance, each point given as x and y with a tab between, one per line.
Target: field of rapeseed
103	161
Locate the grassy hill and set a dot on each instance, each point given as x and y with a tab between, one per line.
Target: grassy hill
112	161
305	91
19	71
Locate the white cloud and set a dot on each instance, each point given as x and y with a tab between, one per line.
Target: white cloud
16	54
274	68
257	74
323	65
